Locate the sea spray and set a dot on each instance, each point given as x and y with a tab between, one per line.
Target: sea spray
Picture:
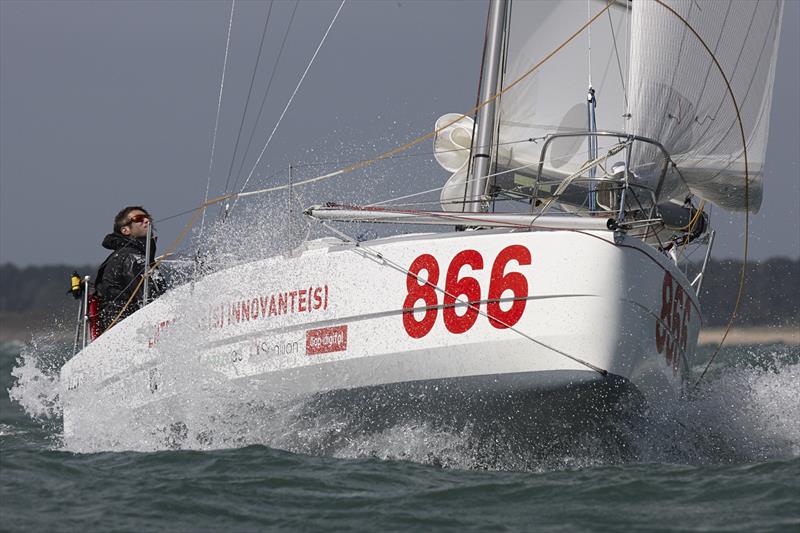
747	409
35	377
748	414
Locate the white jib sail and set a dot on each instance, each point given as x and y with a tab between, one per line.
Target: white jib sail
680	98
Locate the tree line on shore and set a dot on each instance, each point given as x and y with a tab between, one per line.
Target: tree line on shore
770	296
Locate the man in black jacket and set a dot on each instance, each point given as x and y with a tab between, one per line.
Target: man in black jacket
120	274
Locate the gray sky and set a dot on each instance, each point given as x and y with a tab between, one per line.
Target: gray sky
106	104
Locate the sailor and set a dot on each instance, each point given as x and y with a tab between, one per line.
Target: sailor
121	273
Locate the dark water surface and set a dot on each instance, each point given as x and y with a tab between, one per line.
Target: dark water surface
728	460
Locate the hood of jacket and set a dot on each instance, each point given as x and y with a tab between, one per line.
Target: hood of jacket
116	241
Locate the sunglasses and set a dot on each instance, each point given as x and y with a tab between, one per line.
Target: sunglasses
138	219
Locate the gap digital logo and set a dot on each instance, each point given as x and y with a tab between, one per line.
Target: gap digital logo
326	340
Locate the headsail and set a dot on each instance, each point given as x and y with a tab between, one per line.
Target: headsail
682	99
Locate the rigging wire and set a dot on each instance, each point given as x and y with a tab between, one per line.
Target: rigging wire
219	107
619	63
291	98
628	42
266	95
249	93
589	39
350	161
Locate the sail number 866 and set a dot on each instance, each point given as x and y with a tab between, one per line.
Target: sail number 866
463	289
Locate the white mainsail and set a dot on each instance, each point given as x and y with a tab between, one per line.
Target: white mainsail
682	99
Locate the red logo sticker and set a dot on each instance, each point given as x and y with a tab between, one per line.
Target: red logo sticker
326	340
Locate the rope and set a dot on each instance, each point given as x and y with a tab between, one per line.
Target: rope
743	271
291	98
400	268
266	95
249	94
219	108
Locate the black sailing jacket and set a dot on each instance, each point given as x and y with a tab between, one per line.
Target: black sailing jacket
119	275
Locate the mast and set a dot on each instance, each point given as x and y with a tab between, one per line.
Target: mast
476	187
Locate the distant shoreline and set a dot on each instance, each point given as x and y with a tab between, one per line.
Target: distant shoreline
789	335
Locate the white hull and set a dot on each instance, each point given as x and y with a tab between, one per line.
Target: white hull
331	319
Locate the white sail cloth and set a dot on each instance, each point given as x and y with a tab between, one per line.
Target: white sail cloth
682	100
451	147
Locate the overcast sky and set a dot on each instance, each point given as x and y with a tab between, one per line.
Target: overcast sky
106	104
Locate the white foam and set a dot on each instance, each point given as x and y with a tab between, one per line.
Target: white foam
35	387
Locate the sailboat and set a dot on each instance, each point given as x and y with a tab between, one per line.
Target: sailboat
558	285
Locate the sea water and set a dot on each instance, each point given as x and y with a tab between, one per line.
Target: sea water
725	459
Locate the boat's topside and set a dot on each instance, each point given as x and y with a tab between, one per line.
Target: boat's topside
341	316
